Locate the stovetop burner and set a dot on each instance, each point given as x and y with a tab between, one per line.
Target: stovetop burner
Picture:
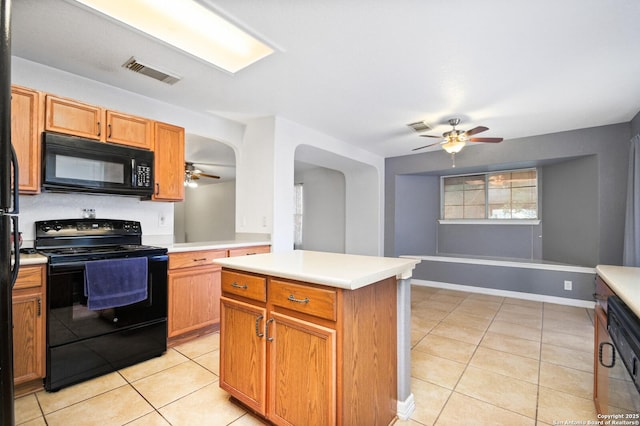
72	240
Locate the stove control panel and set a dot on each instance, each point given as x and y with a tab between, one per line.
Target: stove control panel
79	227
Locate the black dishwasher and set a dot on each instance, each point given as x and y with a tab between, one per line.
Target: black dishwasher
624	382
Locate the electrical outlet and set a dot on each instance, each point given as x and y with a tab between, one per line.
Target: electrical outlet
568	285
162	220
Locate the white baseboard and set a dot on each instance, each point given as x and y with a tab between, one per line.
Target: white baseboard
506	293
406	407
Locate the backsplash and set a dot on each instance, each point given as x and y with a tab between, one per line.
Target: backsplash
156	218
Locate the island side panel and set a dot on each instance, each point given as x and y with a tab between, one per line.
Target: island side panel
369	353
406	401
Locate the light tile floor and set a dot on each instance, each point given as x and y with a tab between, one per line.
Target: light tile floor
476	359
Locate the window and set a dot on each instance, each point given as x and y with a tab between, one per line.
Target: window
298	203
498	195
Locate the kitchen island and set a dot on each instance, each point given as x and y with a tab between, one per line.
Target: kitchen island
317	338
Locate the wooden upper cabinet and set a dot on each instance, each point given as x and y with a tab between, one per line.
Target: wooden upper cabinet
169	162
129	130
26	125
74	118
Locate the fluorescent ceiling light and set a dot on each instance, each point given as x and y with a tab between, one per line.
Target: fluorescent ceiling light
189	26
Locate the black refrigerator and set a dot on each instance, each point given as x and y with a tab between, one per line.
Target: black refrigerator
9	250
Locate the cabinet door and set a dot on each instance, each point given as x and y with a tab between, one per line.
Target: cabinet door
74	118
302	378
28	341
603	361
169	162
243	359
129	130
194	299
26	126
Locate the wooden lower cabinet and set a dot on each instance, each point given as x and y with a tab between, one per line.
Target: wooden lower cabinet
243	362
304	354
302	372
194	291
29	328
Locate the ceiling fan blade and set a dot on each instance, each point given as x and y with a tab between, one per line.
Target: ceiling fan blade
430	136
494	140
209	176
426	146
476	130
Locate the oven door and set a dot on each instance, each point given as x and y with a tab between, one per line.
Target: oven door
69	318
84	343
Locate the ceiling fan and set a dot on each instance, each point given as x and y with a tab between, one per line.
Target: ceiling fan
454	140
192	174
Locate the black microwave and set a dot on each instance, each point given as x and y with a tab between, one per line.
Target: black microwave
73	164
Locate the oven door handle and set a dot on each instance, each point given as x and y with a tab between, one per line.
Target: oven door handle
613	354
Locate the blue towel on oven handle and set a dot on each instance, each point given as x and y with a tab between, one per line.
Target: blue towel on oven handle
111	283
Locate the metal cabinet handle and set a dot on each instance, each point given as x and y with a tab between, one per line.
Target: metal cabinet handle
613	355
293	299
99	129
236	285
260	317
157	189
266	329
200	259
39	310
109	130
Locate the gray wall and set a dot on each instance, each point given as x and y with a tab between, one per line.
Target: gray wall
570	212
510	241
635	125
523	280
416	218
206	214
324	210
609	145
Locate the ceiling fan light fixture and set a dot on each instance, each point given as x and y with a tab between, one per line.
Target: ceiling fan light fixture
453	146
189	182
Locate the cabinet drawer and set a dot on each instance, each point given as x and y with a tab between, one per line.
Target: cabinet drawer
250	286
29	277
244	251
194	258
309	300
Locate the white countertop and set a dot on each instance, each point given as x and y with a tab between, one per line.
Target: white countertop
625	282
32	259
213	245
345	271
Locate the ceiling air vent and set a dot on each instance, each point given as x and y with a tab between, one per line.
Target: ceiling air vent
419	126
134	65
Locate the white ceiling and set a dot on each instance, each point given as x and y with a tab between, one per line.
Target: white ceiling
360	70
